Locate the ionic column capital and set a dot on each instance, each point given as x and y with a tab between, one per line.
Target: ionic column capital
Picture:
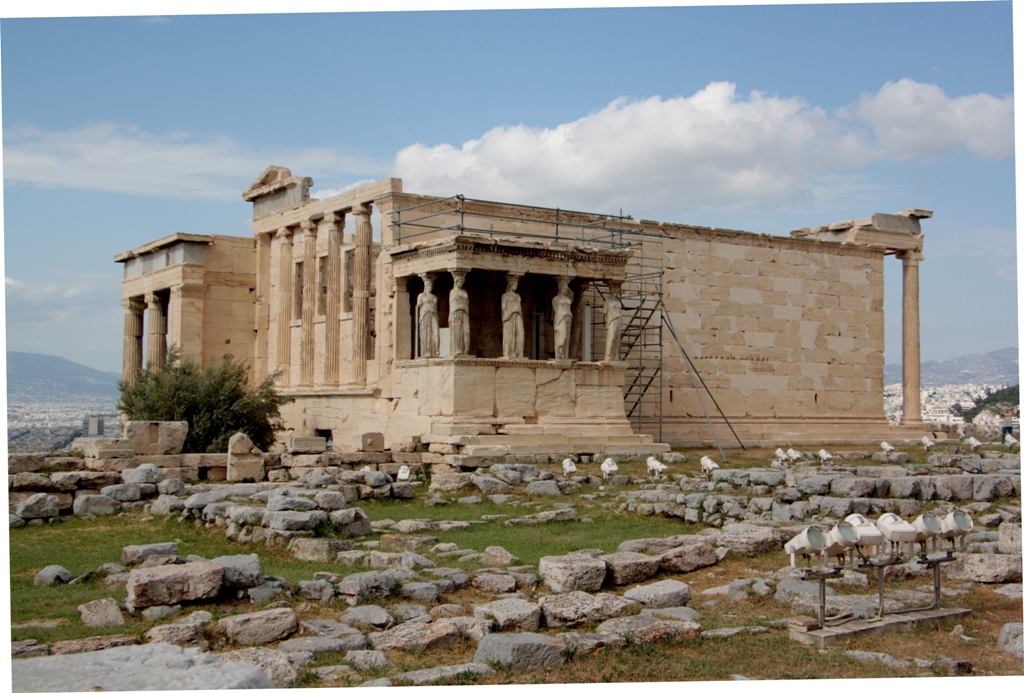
361	209
153	301
910	256
133	304
283	234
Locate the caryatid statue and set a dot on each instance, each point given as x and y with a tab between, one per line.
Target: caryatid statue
427	328
612	322
513	338
458	314
562	304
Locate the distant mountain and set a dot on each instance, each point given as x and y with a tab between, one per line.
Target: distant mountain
38	377
996	367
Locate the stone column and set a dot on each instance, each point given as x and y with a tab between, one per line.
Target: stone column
156	343
284	304
576	335
131	362
260	308
361	292
513	337
307	353
562	305
911	337
458	314
612	321
332	365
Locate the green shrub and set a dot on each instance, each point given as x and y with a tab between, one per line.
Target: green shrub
216	403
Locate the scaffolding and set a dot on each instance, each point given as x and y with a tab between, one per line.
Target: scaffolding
641	293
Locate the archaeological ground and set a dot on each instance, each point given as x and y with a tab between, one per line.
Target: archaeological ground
525	445
340	574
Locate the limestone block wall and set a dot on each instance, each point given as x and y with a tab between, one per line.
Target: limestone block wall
228	307
786	333
493	393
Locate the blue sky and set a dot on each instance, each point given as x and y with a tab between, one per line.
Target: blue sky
119	130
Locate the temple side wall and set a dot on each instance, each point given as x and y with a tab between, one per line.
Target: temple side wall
787	334
228	306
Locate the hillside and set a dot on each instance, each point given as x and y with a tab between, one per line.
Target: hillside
995	367
43	378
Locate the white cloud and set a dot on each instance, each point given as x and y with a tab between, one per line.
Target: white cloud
912	120
712	149
114	157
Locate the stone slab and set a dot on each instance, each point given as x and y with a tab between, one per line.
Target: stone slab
891	622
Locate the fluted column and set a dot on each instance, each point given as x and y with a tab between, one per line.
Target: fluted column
361	292
260	308
911	337
284	304
332	364
307	353
131	362
156	342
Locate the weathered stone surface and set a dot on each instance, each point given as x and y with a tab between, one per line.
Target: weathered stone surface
988	568
750	540
429	677
647	629
101	612
133	555
276	665
369	660
490	485
317	590
143	474
96	642
96	504
38	506
156	666
181	634
497	556
171	584
1009	538
688	557
661	595
279	502
369	616
1011	639
579	608
52	575
352	522
954	487
23	649
450	483
572	573
675	613
241	570
495	584
406	542
165	505
259	627
521	651
316	550
337	643
543	488
245	460
511	614
417	637
330	500
156	437
627	568
579	644
155	613
853	487
469	626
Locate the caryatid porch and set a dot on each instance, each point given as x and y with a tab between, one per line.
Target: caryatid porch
509	335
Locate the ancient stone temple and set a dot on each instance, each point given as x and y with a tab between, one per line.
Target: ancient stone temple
473	324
